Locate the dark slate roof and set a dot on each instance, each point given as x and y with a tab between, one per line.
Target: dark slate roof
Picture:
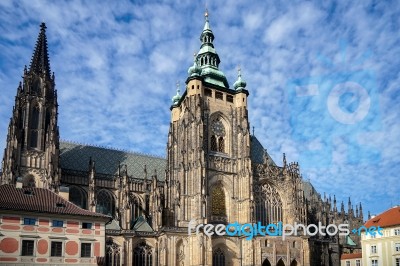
76	157
40	200
257	152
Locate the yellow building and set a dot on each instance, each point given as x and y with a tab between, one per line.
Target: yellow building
382	249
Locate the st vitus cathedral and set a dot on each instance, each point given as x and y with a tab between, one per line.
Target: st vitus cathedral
215	172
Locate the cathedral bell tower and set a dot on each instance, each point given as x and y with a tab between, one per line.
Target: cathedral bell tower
209	167
31	156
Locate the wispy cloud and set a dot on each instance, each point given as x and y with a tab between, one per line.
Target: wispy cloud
117	62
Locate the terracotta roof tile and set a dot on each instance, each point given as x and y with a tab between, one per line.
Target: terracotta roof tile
39	200
388	218
351	256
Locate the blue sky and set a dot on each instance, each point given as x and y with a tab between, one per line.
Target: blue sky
323	78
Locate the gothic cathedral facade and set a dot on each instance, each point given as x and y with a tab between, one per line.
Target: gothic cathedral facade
215	172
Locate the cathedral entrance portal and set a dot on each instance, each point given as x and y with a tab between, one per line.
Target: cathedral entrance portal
266	263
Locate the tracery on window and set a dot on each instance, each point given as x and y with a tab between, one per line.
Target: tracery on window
218	201
136	207
268	204
218	257
105	203
143	255
113	253
217	136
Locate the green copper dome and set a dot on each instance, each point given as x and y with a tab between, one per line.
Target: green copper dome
239	83
194	70
177	97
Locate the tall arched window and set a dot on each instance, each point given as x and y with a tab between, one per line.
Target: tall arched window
217	141
218	201
218	257
113	254
143	255
34	126
105	203
221	144
78	197
268	204
136	207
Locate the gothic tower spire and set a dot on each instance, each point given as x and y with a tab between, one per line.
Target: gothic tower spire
40	62
31	156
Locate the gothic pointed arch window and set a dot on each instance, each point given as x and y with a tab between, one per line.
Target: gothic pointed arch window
34	127
105	203
268	204
218	257
78	197
136	207
218	206
218	136
143	255
113	253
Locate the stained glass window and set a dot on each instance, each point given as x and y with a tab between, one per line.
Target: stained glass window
218	202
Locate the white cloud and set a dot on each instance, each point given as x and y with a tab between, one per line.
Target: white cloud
116	65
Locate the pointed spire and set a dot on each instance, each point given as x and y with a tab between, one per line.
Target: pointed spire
361	212
207	23
40	60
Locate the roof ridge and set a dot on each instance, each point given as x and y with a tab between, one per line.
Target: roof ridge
157	156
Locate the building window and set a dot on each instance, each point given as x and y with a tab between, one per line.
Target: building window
34	127
229	98
358	262
136	208
219	95
113	253
374	262
397	261
27	247
105	203
218	201
347	263
86	250
218	136
218	258
29	221
143	255
207	92
86	225
77	197
58	223
268	204
397	232
373	249
397	247
56	249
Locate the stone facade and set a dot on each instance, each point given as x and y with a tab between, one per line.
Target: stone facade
215	172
